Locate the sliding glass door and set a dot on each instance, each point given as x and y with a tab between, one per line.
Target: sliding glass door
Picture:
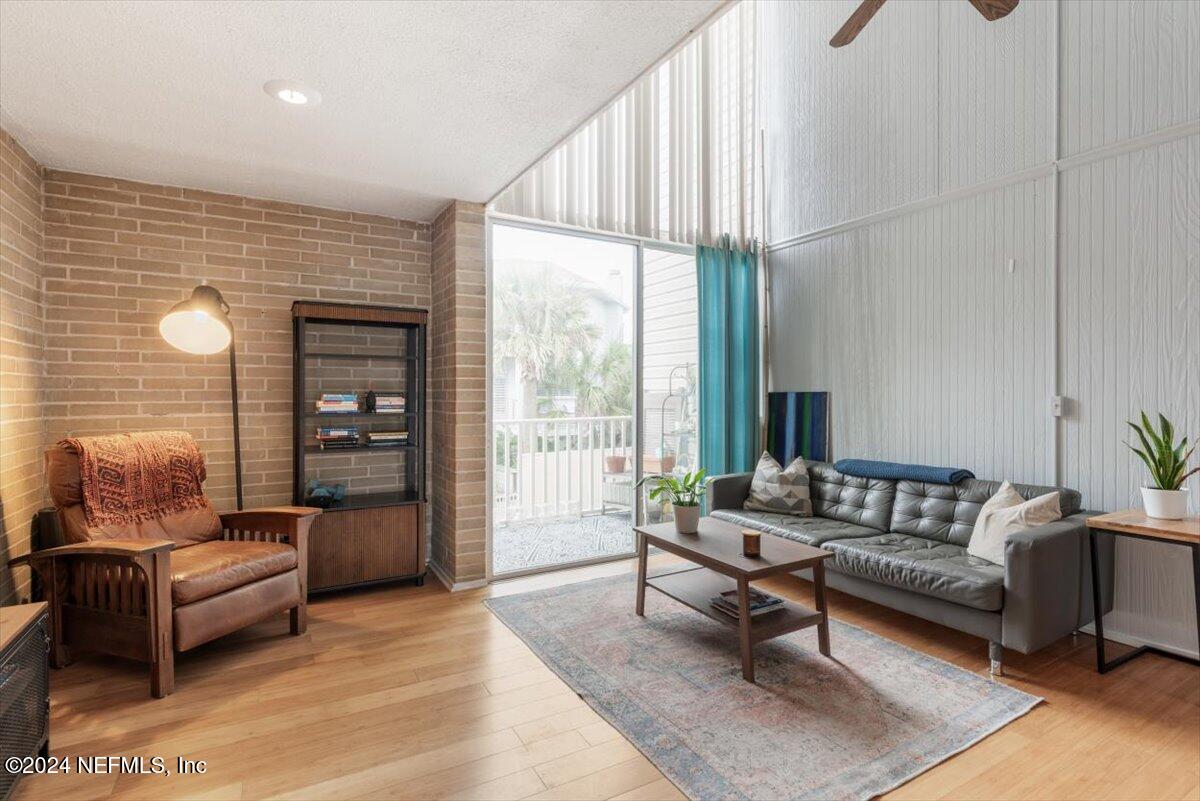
563	319
593	379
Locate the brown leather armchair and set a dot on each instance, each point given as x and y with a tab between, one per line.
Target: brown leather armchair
148	589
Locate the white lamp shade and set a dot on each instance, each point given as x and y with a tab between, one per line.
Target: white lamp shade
194	331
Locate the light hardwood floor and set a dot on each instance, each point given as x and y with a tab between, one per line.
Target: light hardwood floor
407	692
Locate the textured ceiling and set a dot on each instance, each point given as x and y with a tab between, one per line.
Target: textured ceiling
421	101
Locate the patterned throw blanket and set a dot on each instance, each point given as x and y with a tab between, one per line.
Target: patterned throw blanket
131	478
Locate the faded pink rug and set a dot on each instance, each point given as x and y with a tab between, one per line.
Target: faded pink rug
851	727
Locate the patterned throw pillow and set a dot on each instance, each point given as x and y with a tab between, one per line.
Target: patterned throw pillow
774	489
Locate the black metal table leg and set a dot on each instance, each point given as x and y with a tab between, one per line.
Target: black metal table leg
1103	666
1196	587
1097	603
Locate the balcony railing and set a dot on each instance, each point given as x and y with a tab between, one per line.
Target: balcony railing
558	467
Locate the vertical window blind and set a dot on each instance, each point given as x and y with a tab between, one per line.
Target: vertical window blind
672	158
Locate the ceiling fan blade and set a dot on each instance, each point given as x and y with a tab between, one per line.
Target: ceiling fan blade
858	20
993	10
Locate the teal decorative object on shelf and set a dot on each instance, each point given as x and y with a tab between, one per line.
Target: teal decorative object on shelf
324	495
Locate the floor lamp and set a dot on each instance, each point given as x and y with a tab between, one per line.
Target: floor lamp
201	325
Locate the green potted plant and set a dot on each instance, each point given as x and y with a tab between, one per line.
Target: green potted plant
684	494
1167	460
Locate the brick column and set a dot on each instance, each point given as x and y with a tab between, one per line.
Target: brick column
458	342
22	360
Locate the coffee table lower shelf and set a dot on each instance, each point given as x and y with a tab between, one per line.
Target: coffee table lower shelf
696	587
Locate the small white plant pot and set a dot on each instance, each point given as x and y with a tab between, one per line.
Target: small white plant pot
687	519
1165	504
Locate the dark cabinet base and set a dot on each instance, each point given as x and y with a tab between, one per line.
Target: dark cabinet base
355	547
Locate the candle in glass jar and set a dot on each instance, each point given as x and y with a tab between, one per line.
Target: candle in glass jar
751	542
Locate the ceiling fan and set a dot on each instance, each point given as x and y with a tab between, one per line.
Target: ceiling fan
991	10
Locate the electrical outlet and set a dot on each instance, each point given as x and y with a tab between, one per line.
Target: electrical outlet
1058	405
1011	266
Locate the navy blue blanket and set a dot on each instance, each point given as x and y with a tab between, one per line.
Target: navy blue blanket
895	471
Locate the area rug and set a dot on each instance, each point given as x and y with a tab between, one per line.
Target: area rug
851	727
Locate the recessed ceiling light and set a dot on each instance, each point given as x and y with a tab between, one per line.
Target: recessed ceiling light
293	93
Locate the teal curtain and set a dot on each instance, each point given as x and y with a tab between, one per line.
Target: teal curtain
729	360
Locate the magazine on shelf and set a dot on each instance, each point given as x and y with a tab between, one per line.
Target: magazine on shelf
760	603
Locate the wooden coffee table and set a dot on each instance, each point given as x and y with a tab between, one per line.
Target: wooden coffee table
717	550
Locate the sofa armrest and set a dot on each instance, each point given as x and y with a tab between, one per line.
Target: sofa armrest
1047	583
728	491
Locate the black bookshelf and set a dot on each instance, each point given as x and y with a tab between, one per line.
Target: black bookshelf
376	532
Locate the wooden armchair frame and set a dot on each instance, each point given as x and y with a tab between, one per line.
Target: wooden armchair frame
114	596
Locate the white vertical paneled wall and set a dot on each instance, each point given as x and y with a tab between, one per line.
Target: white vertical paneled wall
1128	69
888	318
840	146
905	171
1130	273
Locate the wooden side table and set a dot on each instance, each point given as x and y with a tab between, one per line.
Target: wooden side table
24	687
1134	523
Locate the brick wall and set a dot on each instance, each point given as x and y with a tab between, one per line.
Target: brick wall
21	321
458	392
89	264
118	254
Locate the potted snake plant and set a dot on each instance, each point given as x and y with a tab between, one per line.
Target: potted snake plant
684	494
1167	461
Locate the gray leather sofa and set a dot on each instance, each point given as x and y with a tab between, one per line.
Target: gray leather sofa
903	544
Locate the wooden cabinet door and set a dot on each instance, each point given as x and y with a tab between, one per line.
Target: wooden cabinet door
361	545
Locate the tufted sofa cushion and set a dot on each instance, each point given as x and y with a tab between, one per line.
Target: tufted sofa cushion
808	530
925	566
947	512
862	501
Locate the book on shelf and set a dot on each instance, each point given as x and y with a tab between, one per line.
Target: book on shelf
338	444
337	402
760	603
333	437
331	432
383	438
390	400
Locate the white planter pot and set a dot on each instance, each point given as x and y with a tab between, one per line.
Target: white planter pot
687	519
1165	504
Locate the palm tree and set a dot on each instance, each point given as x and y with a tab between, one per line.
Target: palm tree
541	323
602	383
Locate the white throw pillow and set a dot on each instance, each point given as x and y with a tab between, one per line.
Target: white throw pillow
1006	513
774	489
